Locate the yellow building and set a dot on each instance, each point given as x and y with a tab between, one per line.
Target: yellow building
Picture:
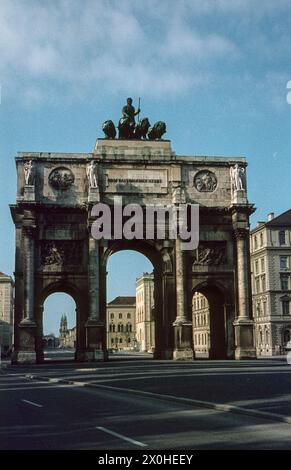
120	324
145	321
201	327
270	244
6	312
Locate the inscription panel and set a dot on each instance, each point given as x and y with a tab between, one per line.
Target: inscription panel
129	180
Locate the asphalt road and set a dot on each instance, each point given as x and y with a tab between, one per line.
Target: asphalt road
39	414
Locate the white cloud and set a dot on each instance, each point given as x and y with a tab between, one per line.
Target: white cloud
78	43
153	47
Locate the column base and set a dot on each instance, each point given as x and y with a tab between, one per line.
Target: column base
183	354
96	349
25	352
23	357
244	339
245	353
98	355
183	349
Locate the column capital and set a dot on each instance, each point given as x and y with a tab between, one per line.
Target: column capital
241	233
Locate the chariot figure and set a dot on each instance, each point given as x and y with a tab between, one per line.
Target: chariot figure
129	112
126	124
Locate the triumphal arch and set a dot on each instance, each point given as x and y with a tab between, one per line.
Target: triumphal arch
56	252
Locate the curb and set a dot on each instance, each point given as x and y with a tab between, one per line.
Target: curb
187	401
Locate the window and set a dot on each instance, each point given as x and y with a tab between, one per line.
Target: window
257	285
286	307
267	336
258	309
129	315
257	267
261	239
284	281
262	265
120	316
112	316
263	278
282	237
255	242
112	340
283	262
264	308
286	336
120	340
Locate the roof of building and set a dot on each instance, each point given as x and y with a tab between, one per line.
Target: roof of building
282	219
123	300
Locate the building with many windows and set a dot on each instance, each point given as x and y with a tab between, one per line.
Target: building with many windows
145	313
120	324
6	311
201	326
270	245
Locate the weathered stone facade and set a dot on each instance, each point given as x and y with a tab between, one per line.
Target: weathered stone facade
56	252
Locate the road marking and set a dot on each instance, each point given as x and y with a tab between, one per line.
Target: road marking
32	403
116	434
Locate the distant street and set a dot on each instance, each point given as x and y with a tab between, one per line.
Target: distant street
227	405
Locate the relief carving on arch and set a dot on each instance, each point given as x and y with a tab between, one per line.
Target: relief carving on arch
210	254
58	254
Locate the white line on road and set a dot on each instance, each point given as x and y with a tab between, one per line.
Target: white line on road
32	403
116	434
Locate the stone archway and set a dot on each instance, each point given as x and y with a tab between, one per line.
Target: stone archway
53	220
162	265
73	291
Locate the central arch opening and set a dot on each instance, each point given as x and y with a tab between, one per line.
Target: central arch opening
209	323
130	305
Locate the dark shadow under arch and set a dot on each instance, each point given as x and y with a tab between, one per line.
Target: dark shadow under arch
217	318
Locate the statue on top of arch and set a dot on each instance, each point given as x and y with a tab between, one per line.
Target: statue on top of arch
129	129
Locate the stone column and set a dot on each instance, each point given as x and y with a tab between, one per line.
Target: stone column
95	343
183	344
27	327
243	324
28	245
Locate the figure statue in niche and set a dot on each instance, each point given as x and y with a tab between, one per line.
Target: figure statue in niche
91	175
29	173
236	176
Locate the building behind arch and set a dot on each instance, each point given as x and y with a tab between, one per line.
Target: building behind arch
271	283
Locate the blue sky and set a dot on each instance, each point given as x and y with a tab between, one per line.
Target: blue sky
215	70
